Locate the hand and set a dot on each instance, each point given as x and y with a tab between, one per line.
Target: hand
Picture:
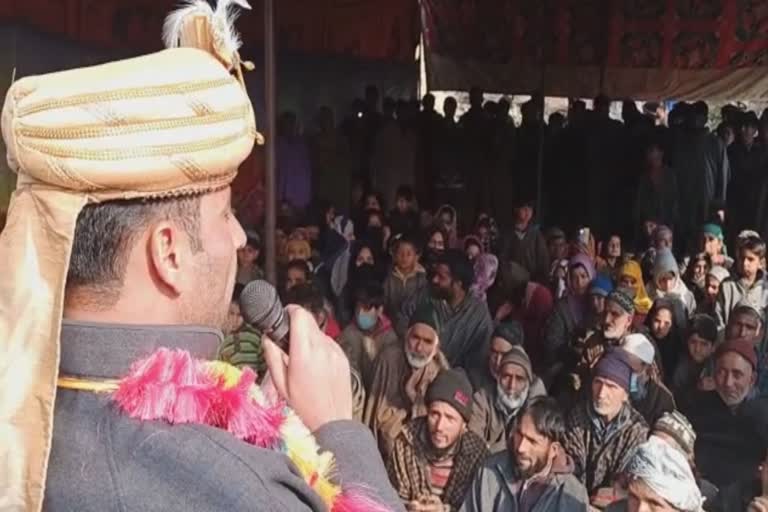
413	506
314	379
759	504
433	504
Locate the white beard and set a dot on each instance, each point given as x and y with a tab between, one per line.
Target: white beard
511	402
416	361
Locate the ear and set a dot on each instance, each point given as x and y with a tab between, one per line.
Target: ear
168	253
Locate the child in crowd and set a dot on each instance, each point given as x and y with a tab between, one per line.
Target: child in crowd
667	282
714	279
407	278
696	369
404	219
748	285
369	331
248	259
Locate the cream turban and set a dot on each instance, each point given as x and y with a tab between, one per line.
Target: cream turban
667	472
173	123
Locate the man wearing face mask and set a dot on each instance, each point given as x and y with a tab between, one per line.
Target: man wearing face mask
435	457
731	427
496	409
648	395
534	474
369	331
400	377
604	430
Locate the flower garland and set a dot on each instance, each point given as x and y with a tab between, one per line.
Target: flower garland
172	386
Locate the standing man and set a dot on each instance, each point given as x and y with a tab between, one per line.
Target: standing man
121	251
534	474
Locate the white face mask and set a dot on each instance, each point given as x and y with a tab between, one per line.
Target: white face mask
417	361
511	402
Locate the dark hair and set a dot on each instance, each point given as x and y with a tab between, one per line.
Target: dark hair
704	326
406	192
307	296
472	240
369	294
744	309
105	233
459	265
753	244
299	265
375	194
547	417
436	229
407	239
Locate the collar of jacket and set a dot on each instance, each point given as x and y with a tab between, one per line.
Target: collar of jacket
418	269
107	351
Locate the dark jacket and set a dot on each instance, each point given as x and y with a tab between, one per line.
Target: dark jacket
499	487
102	460
657	400
730	444
599	461
530	251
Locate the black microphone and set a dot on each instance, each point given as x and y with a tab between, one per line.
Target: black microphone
261	307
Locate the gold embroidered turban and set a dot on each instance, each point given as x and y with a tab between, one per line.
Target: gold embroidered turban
172	123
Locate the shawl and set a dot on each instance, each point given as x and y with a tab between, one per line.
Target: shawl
632	269
578	304
408	470
486	266
397	393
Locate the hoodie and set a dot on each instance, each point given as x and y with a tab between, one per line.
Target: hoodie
666	264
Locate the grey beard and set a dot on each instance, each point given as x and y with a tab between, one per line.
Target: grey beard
417	362
510	403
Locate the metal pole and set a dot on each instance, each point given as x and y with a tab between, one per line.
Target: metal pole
270	182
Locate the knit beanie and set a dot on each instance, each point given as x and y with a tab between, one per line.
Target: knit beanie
704	326
425	314
742	347
614	367
519	357
623	299
511	332
677	426
665	263
452	387
602	286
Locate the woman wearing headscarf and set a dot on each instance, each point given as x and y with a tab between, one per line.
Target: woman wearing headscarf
485	266
567	319
631	278
666	282
363	266
695	276
611	257
666	323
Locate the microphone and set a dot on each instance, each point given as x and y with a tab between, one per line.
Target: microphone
261	307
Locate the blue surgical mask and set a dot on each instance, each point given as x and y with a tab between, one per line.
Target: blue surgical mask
637	387
366	321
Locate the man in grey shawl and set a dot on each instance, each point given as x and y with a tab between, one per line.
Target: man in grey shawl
660	478
465	323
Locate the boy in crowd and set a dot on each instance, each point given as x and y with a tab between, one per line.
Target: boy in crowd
407	279
748	286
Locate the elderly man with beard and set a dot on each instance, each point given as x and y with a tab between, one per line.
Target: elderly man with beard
604	430
747	323
435	457
535	474
731	428
496	408
400	378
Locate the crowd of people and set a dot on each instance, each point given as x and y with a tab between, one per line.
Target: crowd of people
609	358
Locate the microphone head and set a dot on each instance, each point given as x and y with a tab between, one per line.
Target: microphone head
261	307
